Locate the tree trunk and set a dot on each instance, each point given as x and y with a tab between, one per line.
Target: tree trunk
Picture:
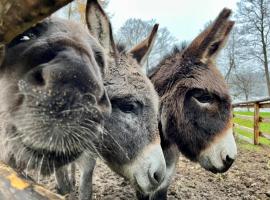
266	65
18	15
246	96
264	47
69	11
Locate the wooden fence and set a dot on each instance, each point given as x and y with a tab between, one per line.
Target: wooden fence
256	118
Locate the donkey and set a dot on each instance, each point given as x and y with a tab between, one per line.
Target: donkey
131	144
51	89
53	101
195	108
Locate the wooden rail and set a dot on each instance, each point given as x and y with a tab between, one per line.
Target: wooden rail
14	186
256	118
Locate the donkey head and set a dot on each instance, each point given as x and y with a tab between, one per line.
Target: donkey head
52	100
195	102
131	143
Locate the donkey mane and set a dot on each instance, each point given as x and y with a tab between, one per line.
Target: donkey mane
167	59
121	47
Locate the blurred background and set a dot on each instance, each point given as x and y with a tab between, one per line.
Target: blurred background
244	61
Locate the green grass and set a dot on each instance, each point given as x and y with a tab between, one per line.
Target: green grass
248	146
264	127
262	114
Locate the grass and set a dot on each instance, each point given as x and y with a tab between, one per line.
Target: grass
249	146
264	127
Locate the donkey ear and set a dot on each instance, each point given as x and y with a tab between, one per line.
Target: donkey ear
99	26
207	45
2	53
216	45
142	50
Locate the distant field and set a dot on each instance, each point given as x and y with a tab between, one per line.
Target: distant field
264	127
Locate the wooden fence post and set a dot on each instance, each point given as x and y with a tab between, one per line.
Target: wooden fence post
256	123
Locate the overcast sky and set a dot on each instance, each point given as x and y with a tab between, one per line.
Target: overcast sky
183	18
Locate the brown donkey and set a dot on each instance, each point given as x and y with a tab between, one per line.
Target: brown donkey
195	110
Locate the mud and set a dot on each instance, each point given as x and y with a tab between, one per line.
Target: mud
247	179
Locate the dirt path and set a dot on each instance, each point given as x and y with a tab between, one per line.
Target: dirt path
248	179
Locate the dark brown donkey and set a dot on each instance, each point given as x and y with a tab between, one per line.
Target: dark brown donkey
195	110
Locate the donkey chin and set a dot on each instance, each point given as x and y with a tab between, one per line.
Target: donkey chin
147	171
220	154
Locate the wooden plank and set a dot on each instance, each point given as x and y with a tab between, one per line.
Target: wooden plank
16	16
265	105
264	119
265	135
244	128
14	186
256	123
246	117
243	106
252	102
249	140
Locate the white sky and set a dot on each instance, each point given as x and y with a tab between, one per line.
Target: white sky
183	18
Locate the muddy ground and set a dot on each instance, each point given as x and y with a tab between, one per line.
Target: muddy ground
248	179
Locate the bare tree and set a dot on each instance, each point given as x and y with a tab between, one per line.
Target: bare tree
242	84
230	52
254	23
135	30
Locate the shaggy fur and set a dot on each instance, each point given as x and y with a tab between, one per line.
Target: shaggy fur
195	104
52	101
132	129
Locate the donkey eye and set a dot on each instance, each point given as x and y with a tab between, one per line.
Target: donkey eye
27	37
204	98
126	106
22	38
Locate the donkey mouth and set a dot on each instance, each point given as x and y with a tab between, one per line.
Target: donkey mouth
48	159
148	190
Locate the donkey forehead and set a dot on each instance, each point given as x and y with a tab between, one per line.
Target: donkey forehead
192	75
126	79
55	27
209	77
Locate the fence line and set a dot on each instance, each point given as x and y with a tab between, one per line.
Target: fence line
257	119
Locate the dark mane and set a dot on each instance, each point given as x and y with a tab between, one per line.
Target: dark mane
176	50
121	47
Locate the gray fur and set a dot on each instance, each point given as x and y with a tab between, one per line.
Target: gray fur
52	100
132	129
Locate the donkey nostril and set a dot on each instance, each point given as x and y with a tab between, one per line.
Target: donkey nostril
36	78
229	161
157	177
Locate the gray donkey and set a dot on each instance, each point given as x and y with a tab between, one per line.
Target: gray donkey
53	103
51	88
195	110
131	143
